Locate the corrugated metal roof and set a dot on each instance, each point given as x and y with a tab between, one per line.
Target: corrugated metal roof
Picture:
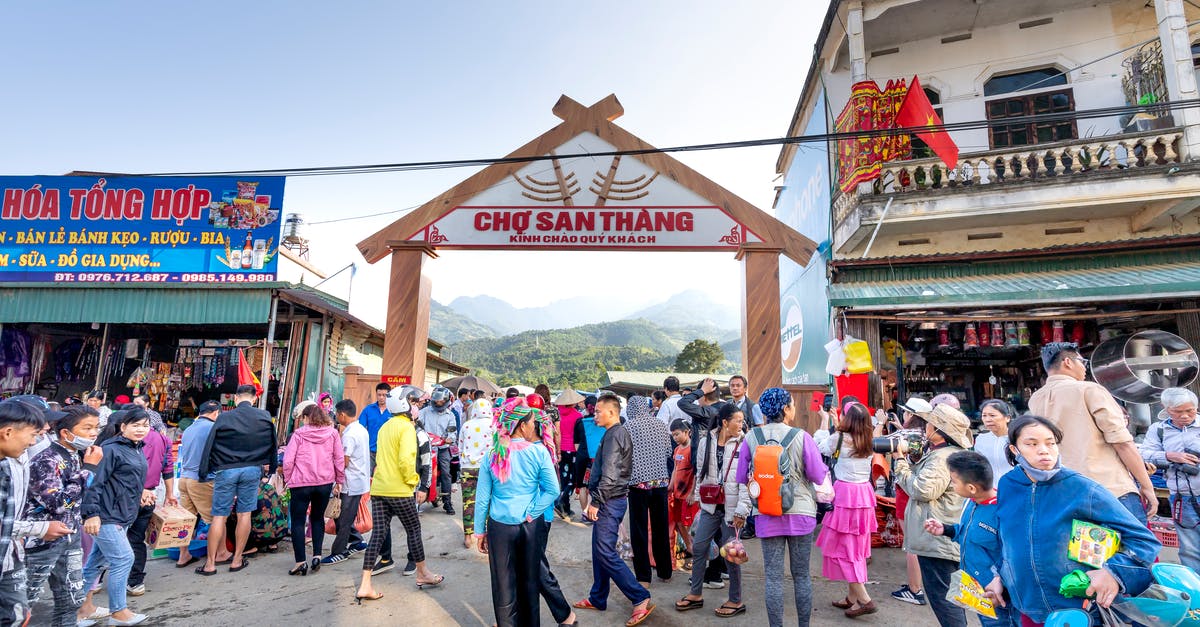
1133	275
136	304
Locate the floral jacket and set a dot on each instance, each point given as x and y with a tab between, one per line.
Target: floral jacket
57	480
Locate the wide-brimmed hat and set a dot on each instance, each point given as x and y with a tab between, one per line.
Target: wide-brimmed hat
953	423
917	405
568	397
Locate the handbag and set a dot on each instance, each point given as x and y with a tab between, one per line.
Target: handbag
714	493
362	520
334	509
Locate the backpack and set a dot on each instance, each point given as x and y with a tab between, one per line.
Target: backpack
770	482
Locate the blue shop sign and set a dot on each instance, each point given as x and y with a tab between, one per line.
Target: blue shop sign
83	229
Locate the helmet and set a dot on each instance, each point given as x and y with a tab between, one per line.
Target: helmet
397	401
535	401
440	395
411	392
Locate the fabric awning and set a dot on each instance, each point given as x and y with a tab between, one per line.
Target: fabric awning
1125	276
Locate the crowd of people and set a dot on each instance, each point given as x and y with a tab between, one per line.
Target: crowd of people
679	481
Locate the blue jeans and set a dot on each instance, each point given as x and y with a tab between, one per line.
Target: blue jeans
239	482
1006	616
110	548
607	565
1133	503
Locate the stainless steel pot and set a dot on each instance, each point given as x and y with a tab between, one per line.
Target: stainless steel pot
1137	368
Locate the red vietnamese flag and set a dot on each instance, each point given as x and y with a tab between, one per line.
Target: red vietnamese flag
245	374
917	112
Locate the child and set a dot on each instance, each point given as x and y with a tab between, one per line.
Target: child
971	476
20	424
1040	501
681	509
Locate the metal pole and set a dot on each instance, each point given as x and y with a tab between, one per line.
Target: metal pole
878	226
270	344
103	355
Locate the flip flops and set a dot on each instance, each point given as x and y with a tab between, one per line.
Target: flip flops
245	563
187	563
685	604
586	605
730	610
639	616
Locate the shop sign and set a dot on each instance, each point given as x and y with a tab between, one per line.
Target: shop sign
804	302
75	229
567	227
395	379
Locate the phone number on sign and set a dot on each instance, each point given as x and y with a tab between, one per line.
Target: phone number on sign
159	277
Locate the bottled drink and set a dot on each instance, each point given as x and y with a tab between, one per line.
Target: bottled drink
248	251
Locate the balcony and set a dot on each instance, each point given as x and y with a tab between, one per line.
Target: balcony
1139	175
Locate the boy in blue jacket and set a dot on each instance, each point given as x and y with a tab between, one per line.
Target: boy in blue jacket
976	532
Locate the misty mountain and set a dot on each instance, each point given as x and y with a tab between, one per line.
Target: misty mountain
694	308
506	319
450	327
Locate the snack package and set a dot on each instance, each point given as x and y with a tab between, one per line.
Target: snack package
1092	544
966	593
246	190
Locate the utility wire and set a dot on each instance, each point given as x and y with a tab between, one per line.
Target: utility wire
1042	118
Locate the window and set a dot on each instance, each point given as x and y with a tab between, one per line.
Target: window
919	149
1024	134
1021	81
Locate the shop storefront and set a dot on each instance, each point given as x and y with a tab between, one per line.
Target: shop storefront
975	328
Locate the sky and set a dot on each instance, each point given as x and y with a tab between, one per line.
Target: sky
188	87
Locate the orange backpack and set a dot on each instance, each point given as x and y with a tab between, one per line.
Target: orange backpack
770	483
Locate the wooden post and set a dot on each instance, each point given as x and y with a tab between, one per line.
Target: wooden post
407	331
761	360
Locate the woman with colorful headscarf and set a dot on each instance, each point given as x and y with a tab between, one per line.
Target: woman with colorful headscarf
517	484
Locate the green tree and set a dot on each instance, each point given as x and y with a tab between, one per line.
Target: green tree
699	356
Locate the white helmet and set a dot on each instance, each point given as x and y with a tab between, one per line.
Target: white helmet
397	402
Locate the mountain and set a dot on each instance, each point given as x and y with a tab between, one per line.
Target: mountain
449	327
693	308
579	356
563	314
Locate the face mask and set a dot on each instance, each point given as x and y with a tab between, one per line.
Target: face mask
80	443
1037	474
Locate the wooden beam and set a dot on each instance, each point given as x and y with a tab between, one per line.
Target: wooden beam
761	360
407	338
1153	212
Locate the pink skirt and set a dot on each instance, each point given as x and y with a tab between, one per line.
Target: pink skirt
845	538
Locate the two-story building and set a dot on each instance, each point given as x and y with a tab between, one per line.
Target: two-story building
1071	212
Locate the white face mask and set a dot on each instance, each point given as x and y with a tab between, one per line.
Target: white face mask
80	443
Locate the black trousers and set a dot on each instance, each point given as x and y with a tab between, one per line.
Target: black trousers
136	532
649	506
547	582
345	524
515	562
302	497
445	481
935	574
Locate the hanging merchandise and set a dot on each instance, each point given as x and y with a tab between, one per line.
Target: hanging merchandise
858	356
985	334
1077	333
1056	333
943	334
835	365
971	336
131	349
893	351
856	385
1010	334
138	378
997	334
37	363
1022	334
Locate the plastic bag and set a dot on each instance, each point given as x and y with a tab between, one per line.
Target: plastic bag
858	357
836	364
825	491
734	551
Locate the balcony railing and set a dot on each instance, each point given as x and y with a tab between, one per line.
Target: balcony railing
1057	161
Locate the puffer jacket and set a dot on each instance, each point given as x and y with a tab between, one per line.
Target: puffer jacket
709	473
930	496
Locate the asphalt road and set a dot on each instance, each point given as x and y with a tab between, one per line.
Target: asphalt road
264	594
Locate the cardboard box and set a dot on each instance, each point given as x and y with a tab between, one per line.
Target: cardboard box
170	527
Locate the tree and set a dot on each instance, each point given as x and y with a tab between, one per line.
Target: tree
699	356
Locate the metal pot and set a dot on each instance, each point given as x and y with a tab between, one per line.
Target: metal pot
1137	368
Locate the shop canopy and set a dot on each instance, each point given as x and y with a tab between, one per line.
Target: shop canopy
1126	276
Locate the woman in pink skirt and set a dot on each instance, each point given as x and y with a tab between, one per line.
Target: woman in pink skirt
845	539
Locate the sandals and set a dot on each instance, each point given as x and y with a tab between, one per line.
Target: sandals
844	604
685	604
191	561
728	611
375	597
639	616
207	573
421	585
245	563
586	605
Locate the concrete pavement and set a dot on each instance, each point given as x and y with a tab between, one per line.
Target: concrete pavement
264	594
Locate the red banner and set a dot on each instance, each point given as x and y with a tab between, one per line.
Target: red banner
868	109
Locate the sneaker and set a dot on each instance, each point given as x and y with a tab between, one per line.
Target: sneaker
449	511
714	585
410	568
908	596
357	547
382	566
333	559
136	591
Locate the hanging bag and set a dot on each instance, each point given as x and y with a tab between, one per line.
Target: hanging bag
714	493
858	357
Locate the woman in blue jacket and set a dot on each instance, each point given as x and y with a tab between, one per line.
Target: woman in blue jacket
1038	500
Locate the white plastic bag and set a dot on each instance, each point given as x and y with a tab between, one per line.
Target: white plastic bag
836	364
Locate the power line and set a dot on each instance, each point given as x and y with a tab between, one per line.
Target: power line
1042	118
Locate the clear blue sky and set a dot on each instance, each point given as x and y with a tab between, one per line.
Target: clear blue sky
164	86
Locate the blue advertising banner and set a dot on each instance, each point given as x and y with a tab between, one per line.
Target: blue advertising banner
85	229
804	204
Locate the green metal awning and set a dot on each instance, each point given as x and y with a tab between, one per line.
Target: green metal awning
136	304
1127	276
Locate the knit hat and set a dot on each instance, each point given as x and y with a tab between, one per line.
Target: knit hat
773	401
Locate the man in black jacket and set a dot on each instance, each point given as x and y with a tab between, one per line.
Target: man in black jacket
609	488
239	446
